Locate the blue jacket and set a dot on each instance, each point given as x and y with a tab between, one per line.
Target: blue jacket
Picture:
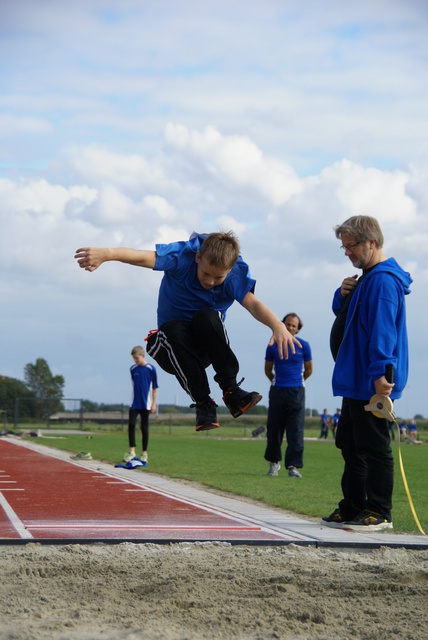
375	333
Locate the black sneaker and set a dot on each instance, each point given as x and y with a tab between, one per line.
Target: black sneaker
334	520
206	415
368	521
239	401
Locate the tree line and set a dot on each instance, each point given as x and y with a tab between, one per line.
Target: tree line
42	390
43	394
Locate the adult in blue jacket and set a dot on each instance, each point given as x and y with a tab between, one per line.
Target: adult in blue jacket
369	334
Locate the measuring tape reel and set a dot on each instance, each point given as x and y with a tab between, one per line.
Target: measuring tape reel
381	407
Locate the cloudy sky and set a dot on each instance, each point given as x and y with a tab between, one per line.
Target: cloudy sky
131	122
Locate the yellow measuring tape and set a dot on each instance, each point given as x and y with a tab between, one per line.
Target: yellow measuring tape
381	407
409	497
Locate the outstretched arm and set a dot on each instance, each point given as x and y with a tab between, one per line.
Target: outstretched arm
280	334
90	258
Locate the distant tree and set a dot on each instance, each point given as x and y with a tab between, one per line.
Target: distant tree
419	416
88	406
47	388
11	388
110	407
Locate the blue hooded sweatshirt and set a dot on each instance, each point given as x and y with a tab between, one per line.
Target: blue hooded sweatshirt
375	333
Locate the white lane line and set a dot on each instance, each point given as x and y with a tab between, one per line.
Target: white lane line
143	527
15	521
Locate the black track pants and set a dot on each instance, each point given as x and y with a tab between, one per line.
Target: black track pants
185	350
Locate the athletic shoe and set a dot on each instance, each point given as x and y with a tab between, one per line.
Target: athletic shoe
274	468
293	473
82	456
206	415
368	521
334	520
144	457
239	401
128	456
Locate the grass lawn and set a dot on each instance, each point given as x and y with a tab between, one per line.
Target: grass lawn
236	465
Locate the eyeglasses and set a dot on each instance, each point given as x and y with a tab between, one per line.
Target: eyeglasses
350	247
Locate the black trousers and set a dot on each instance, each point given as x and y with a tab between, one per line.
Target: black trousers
186	350
368	476
132	421
286	414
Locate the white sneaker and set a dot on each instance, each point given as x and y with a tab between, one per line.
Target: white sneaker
128	456
144	457
274	468
293	473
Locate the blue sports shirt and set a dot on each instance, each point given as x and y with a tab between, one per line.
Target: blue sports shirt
181	294
289	373
144	380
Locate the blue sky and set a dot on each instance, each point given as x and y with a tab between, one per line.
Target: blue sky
131	123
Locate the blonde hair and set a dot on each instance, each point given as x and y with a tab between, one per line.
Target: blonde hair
220	249
137	351
362	228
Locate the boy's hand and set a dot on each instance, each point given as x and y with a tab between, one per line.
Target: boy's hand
90	258
284	339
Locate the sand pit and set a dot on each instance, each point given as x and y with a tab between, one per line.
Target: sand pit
194	591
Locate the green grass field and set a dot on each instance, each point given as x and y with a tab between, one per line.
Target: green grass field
236	465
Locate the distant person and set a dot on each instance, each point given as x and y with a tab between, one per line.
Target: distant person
145	389
368	337
286	413
325	421
413	431
203	276
335	421
403	429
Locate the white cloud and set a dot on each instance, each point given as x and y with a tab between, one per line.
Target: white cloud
23	125
236	161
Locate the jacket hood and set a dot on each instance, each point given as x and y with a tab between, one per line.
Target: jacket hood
392	267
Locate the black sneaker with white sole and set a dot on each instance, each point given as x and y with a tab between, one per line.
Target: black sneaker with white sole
368	521
334	520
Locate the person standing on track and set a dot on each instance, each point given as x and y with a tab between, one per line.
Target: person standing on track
368	336
144	392
203	276
286	413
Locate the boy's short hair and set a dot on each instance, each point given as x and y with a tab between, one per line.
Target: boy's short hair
220	249
363	228
137	351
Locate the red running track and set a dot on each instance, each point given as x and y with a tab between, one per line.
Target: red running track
46	498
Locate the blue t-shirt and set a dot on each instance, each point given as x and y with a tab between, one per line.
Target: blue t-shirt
181	294
289	373
144	380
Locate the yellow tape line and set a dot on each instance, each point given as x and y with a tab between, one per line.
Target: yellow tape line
403	475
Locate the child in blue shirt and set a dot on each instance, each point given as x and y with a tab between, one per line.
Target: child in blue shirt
144	388
203	276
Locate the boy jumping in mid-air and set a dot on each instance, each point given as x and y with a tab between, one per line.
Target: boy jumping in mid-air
203	276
